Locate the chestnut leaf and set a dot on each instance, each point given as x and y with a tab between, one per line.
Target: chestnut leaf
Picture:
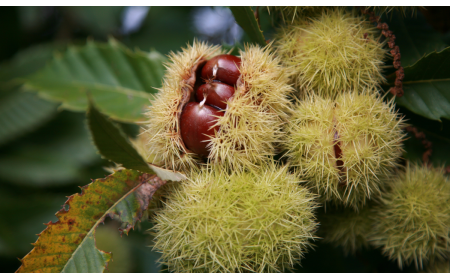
414	36
120	81
124	196
23	111
436	132
245	17
113	145
427	86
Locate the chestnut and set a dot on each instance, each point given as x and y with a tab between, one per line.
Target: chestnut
217	94
196	126
224	68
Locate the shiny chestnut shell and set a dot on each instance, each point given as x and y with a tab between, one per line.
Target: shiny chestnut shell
227	69
217	94
195	126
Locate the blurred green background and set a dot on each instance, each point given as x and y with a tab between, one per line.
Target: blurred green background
46	153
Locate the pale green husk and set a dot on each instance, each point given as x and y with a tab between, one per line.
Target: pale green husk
288	14
440	266
333	53
414	223
259	221
369	133
347	228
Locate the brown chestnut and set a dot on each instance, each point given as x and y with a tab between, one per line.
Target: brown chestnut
338	151
196	126
224	68
217	94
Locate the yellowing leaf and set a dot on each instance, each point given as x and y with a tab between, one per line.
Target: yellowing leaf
68	245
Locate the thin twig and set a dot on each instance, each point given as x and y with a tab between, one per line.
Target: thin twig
397	89
425	142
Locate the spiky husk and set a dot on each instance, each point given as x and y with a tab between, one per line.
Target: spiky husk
347	228
334	53
439	266
140	144
414	223
249	130
288	14
163	124
367	130
221	221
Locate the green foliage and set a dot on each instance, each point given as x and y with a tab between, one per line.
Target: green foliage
22	111
239	222
120	81
405	11
245	17
114	145
415	37
436	132
22	217
162	32
123	195
413	223
96	20
427	85
26	62
47	159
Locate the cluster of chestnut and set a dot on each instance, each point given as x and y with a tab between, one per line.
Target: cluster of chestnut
198	118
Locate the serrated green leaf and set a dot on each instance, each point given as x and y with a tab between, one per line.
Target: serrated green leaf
68	245
25	63
56	154
115	146
22	112
120	82
427	86
415	37
438	133
245	17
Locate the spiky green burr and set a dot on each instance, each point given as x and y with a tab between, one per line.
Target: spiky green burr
333	53
440	266
347	228
347	147
259	221
288	14
414	223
